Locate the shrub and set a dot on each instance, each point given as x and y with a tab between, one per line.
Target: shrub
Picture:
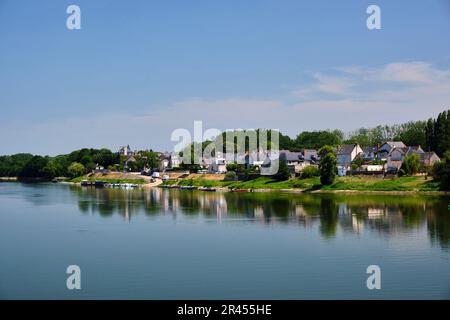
410	165
76	169
309	172
230	176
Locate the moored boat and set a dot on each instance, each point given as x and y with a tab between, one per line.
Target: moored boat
206	189
188	187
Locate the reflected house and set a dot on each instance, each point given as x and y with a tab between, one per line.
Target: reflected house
258	212
386	215
375	213
357	224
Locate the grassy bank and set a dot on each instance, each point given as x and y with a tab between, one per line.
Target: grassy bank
341	183
109	180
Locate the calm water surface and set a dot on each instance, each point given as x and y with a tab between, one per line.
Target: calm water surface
171	244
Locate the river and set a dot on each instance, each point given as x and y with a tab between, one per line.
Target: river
179	244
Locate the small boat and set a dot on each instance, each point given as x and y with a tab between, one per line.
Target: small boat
174	187
86	183
241	190
188	187
99	184
206	189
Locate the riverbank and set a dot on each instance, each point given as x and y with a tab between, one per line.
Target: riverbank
349	184
114	177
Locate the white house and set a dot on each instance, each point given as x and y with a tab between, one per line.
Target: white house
218	164
346	154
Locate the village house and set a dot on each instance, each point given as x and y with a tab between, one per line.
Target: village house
387	147
127	162
414	149
169	160
219	164
294	160
311	156
427	159
125	151
346	153
369	153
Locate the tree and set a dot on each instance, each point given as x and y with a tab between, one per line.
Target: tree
317	139
34	168
51	169
76	169
441	171
283	171
410	165
327	165
437	133
412	133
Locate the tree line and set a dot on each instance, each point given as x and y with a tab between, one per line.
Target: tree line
74	164
431	135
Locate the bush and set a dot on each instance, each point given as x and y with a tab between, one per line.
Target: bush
230	176
76	169
410	165
309	172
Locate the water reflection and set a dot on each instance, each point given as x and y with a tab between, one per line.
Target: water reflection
386	215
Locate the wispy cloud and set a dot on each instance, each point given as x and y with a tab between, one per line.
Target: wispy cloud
346	98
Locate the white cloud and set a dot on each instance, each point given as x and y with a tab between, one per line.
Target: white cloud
344	98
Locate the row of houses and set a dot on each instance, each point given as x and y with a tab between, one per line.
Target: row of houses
387	157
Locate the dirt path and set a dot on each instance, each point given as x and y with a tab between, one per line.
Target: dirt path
152	184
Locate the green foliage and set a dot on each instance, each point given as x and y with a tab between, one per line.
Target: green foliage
410	165
325	150
283	171
11	166
357	163
412	133
317	139
327	166
235	167
230	176
34	168
441	172
309	172
76	169
437	133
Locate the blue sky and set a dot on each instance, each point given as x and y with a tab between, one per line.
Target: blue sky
137	70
